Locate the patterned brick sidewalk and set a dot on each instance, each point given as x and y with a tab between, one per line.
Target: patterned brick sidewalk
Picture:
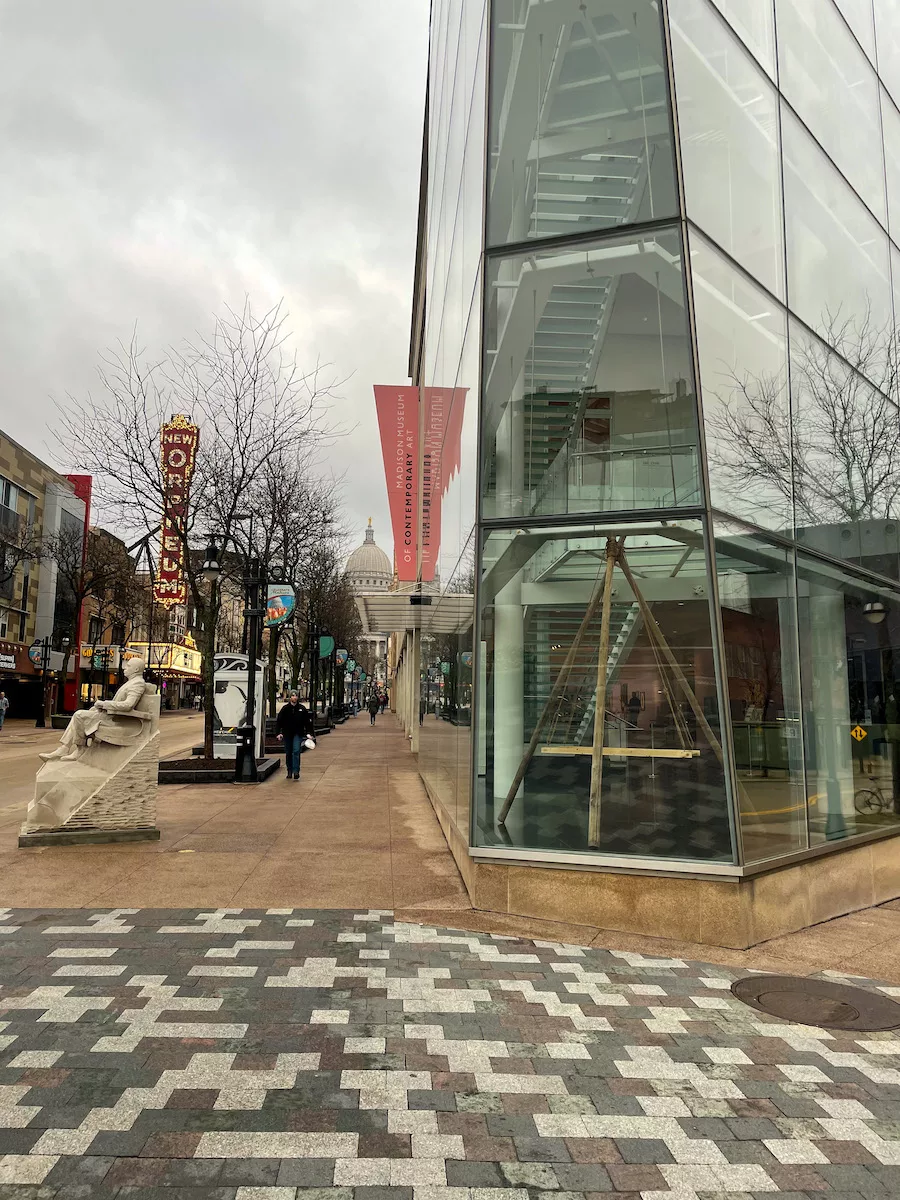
267	1054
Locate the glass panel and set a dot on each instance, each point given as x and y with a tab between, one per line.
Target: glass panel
831	84
850	670
660	791
588	401
887	32
742	344
754	23
727	120
580	130
846	458
759	620
837	253
859	16
891	125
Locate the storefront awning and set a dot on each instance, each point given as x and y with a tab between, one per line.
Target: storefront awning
393	612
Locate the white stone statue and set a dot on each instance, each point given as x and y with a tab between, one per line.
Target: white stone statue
117	722
101	781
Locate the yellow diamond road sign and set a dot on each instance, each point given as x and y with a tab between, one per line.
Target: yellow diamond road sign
859	733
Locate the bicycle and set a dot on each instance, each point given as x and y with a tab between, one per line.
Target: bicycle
871	800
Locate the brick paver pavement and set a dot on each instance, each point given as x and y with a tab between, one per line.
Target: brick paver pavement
265	1055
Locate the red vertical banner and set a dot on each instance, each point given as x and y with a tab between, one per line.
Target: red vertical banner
440	462
398	423
178	440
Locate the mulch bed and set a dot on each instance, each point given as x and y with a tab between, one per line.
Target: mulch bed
199	764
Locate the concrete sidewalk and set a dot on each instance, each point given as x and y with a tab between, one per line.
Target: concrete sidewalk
358	831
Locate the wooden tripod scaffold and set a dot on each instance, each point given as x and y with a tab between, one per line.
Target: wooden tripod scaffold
672	678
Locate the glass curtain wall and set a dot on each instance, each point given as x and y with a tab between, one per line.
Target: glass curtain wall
453	287
790	150
599	723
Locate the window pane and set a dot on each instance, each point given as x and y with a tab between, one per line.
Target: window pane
829	81
757	596
580	130
837	253
887	31
727	118
891	124
588	399
846	461
742	343
850	670
754	23
858	14
661	787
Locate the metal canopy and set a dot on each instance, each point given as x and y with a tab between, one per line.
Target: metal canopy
391	612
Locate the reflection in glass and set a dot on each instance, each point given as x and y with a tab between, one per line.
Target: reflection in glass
754	23
837	253
580	130
658	788
832	85
588	402
846	476
887	33
891	125
445	693
742	344
858	14
850	673
762	676
727	120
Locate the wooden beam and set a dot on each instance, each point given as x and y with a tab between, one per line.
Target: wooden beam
555	692
621	752
612	553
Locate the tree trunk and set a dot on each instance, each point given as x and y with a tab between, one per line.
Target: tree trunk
209	689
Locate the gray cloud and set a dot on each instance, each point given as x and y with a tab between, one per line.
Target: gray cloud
160	160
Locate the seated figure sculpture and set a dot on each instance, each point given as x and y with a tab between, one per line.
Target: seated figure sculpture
102	778
101	722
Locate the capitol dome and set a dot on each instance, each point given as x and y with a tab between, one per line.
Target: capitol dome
368	567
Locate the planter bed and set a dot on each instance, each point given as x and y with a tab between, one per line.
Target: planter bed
209	770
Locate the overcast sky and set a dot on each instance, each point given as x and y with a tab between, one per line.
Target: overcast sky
162	158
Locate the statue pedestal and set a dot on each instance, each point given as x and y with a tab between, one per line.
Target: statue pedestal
107	794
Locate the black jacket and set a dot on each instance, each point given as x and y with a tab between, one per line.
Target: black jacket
294	719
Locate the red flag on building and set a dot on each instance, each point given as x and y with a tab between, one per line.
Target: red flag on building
398	422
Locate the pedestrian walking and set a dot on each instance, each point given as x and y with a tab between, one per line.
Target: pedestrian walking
374	705
4	708
384	701
294	723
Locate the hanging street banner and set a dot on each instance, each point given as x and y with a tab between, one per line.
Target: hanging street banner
326	645
398	423
340	657
280	604
351	664
178	441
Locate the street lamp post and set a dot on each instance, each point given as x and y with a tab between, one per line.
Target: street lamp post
245	765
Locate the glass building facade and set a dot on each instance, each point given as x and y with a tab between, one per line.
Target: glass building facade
660	258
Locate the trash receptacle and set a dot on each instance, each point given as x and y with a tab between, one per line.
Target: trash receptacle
245	758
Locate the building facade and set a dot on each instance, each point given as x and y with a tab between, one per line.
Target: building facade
659	246
369	572
37	506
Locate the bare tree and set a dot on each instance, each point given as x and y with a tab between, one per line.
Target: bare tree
833	451
20	542
100	569
243	387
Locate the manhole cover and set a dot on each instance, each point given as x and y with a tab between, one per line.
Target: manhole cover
818	1002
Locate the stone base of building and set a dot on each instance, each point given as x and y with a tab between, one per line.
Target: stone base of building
736	913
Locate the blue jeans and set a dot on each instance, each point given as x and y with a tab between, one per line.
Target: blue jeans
292	753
